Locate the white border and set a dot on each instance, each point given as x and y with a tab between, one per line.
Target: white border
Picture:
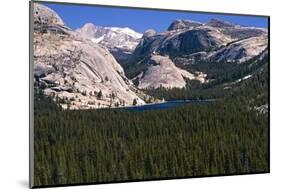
14	93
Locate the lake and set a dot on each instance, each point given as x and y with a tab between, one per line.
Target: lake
165	105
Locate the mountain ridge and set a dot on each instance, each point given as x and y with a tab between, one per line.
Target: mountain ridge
100	67
189	42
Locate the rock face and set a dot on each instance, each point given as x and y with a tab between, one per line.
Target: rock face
75	71
162	72
241	50
121	42
183	24
263	109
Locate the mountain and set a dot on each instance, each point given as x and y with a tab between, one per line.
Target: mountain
183	24
76	72
188	42
181	42
121	42
79	68
187	38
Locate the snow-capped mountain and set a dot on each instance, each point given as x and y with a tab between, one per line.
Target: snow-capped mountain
75	71
121	42
80	64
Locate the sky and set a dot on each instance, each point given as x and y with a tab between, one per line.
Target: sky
75	16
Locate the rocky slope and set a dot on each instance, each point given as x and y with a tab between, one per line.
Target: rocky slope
241	50
75	71
121	42
162	72
189	42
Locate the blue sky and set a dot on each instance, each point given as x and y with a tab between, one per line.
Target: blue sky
76	16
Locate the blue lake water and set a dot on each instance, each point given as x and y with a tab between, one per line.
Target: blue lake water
165	105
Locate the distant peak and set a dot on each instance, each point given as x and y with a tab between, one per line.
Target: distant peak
188	21
89	25
183	24
149	33
219	23
125	30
